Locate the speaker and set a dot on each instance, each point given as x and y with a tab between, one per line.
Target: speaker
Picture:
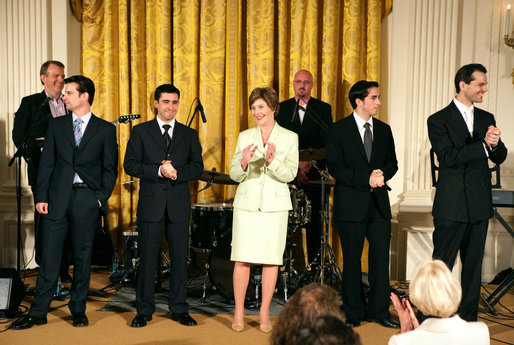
12	291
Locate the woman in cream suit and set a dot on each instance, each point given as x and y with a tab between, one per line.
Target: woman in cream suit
266	159
436	293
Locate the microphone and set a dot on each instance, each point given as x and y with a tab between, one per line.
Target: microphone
202	113
295	108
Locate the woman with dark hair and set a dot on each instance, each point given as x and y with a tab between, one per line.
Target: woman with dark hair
302	310
266	159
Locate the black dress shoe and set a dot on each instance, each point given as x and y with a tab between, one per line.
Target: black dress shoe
80	320
184	319
140	320
389	323
28	321
352	323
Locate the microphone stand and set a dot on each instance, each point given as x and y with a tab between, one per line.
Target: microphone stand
22	150
325	259
313	115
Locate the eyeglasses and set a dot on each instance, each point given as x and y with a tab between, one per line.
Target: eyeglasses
299	82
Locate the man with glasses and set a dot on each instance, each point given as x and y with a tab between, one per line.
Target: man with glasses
309	118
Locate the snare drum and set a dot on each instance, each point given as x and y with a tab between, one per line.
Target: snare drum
208	222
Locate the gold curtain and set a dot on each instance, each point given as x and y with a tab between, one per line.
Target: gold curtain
219	50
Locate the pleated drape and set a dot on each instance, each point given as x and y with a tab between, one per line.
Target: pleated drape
219	50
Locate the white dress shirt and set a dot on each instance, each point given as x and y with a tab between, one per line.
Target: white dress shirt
360	125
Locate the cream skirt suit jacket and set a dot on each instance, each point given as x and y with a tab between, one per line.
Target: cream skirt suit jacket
262	198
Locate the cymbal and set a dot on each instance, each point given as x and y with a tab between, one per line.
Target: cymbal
310	154
328	183
216	177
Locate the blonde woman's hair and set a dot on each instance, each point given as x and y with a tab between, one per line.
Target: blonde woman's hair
434	290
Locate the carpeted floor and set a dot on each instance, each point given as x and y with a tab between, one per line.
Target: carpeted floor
112	327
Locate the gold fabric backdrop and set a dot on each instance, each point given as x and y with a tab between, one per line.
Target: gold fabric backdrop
219	50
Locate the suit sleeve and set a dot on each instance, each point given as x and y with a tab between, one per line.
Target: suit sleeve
285	167
447	153
133	162
499	154
21	122
236	171
109	167
46	165
343	173
194	167
390	166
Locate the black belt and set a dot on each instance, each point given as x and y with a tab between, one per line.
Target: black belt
80	185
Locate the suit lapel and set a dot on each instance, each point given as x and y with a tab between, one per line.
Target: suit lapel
376	135
457	122
91	131
156	134
356	137
178	132
479	126
68	129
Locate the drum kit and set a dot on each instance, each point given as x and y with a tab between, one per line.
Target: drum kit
211	234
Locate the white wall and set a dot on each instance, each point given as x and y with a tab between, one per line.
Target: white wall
424	43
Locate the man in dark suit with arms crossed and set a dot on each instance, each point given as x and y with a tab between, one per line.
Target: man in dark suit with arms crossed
361	156
308	124
76	177
464	138
165	155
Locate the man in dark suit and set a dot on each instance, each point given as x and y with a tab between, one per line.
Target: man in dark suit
165	155
30	125
361	156
464	138
309	118
76	176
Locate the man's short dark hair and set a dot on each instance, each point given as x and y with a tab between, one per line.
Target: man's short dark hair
166	88
84	85
465	74
45	65
360	90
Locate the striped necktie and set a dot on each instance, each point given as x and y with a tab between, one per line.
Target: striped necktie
77	132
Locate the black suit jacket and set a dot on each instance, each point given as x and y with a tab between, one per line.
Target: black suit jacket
347	162
463	190
310	134
32	115
145	151
95	161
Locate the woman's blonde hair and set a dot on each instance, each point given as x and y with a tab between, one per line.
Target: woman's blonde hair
434	290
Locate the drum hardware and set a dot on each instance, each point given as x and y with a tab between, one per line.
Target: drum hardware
216	177
208	220
128	275
301	212
127	182
310	154
325	261
287	272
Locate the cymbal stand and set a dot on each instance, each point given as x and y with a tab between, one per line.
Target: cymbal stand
325	261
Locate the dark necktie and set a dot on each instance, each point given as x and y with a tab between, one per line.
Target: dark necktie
166	136
368	140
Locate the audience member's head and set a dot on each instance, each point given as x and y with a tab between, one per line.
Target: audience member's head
328	330
434	290
302	310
